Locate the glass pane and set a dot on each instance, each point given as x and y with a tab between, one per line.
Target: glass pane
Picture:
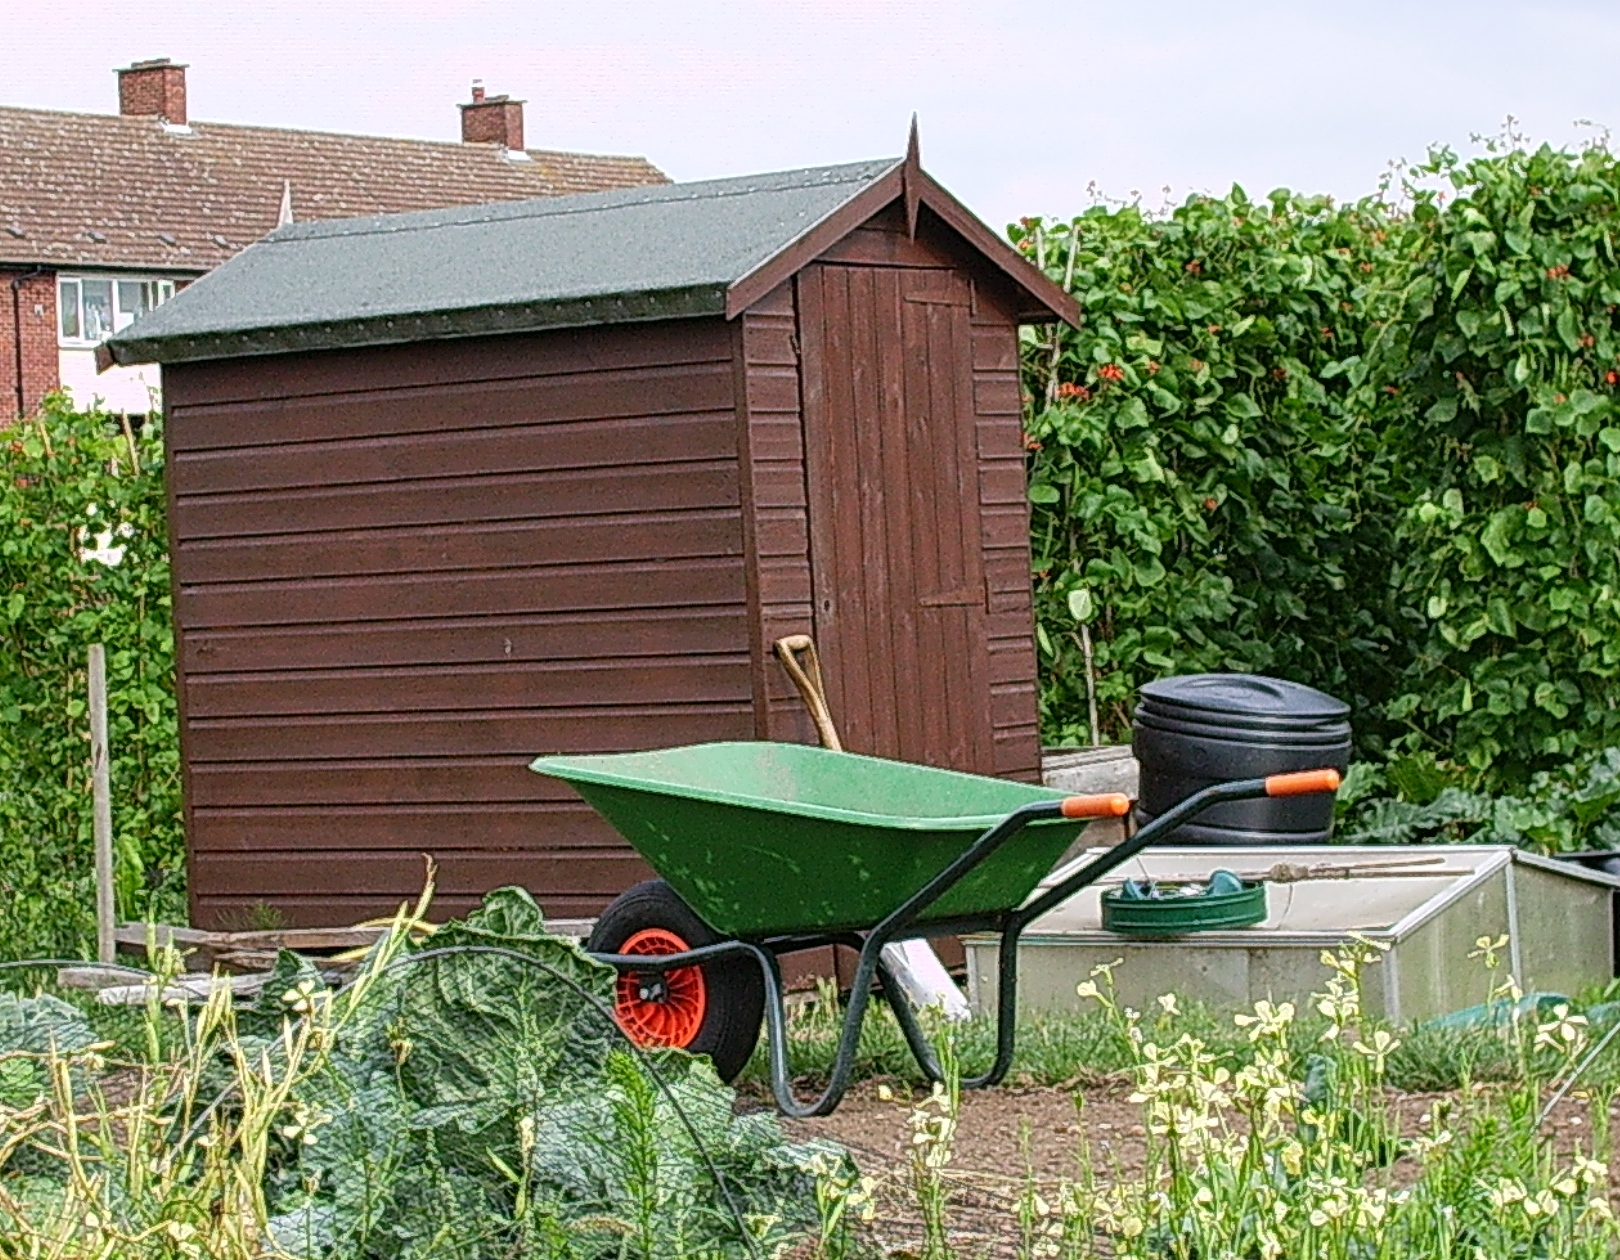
165	291
98	309
131	302
67	303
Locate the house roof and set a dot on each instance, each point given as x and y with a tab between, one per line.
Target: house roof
99	190
671	250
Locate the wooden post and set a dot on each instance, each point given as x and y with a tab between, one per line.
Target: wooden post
101	788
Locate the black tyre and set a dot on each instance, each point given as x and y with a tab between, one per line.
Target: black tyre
714	1009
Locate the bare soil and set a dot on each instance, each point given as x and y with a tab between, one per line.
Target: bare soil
1004	1136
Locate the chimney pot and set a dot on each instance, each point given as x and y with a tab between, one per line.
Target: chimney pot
492	119
153	89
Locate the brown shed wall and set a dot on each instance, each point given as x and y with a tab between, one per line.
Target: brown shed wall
402	573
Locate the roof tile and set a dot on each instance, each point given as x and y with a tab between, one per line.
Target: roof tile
171	199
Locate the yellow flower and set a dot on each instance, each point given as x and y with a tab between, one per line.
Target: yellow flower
1563	1032
1489	950
1267	1020
1383	1045
1539	1204
1590	1171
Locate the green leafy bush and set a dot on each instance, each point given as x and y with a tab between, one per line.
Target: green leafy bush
1367	448
1573	808
465	1097
1202	491
1499	398
72	482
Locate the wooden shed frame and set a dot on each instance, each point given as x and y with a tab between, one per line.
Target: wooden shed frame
372	636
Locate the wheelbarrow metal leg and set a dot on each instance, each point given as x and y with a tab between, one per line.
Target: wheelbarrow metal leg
1006	1011
906	1016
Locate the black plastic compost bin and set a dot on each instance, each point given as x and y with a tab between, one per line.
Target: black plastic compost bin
1200	729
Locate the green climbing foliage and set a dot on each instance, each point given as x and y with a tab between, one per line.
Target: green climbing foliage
1205	496
1501	373
1372	447
83	559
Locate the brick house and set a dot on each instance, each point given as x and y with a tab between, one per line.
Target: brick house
103	216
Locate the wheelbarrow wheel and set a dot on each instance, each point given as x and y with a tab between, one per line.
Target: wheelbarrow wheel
713	1009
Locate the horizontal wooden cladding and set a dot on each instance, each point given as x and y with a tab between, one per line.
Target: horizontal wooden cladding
772	390
1002	481
352	828
610	441
613	348
305	873
1011	662
528	496
463	641
995	349
771	344
1018	753
509	685
467	733
225	911
387	781
779	485
778	439
1011	704
1007	570
884	240
997	395
391	781
699	533
503	592
784	580
1005	526
1001	439
783	532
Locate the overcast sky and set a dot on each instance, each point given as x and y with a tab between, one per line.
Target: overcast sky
1023	106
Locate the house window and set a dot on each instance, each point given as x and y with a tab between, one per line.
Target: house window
92	308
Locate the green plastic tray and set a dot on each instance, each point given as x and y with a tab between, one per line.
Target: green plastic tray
1178	916
764	839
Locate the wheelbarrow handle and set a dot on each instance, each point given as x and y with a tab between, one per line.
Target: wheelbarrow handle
1103	805
1302	782
1298	783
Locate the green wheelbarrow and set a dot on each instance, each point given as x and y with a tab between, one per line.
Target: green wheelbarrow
767	849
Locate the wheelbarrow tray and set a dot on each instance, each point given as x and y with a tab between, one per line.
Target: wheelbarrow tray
765	840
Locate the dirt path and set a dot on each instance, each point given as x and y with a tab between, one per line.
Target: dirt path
1006	1134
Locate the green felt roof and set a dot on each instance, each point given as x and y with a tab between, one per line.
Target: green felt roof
643	253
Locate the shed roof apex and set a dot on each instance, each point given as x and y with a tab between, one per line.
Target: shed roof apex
657	252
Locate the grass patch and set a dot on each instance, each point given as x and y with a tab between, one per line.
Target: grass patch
1086	1047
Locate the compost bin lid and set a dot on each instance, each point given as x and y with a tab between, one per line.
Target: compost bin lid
1248	694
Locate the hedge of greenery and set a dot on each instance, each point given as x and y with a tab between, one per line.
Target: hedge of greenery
1369	447
77	488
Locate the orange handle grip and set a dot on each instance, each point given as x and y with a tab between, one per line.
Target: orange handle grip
1302	783
1103	805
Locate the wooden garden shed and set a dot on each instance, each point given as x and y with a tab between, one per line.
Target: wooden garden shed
452	489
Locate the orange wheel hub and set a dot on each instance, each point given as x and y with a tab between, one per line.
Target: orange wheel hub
660	1008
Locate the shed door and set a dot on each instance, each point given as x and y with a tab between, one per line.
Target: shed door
895	534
